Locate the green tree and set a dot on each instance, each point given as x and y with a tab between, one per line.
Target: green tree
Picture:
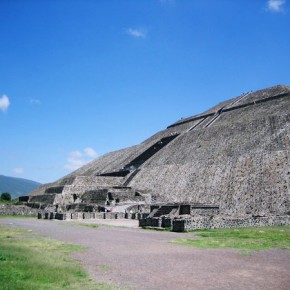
6	196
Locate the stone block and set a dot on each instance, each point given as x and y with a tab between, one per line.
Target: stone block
60	216
156	222
178	225
143	223
74	216
128	215
166	222
52	215
87	215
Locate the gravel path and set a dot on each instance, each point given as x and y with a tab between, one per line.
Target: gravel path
141	259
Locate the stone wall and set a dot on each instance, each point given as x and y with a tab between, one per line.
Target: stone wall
54	189
43	199
7	209
181	225
89	215
95	196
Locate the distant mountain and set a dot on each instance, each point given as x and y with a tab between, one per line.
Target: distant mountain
17	186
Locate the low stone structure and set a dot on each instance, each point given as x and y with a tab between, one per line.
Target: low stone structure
188	217
89	215
201	222
8	209
163	215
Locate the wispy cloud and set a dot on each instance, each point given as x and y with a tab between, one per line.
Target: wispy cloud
137	33
74	163
275	5
76	154
18	170
35	101
4	103
77	158
90	152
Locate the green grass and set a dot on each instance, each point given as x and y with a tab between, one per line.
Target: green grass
245	239
13	201
94	226
17	216
157	229
28	261
89	225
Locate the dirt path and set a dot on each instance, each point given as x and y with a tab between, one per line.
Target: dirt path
141	259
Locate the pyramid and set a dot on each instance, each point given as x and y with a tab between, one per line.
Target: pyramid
235	156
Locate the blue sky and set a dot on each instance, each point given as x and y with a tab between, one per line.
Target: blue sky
80	78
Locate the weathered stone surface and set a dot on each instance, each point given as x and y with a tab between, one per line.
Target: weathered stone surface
235	155
199	222
8	209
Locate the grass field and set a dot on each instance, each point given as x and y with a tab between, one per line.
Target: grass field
16	216
240	238
29	261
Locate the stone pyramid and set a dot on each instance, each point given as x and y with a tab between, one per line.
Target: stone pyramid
235	155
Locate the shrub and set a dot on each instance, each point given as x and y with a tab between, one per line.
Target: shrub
6	196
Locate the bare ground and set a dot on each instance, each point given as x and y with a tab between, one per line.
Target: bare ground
133	258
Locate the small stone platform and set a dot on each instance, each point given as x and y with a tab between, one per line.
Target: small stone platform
90	215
